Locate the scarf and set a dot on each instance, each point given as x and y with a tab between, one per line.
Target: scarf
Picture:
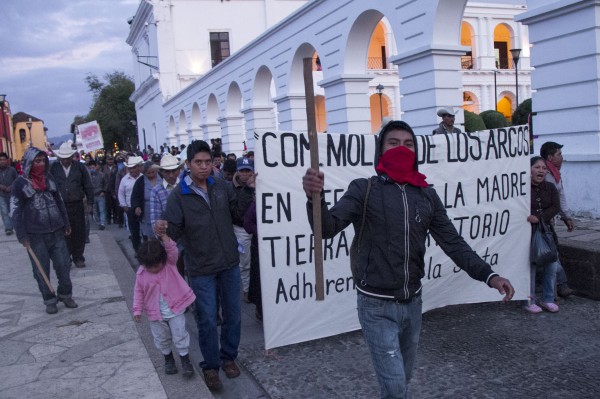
38	177
554	171
398	164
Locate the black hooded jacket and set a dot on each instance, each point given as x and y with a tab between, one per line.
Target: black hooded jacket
33	211
388	262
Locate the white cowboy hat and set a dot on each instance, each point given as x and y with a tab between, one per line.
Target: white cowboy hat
446	111
65	150
169	162
134	161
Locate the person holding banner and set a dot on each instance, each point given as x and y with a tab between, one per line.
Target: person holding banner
392	213
200	211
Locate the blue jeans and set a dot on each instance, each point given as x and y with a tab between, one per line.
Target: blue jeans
391	331
205	289
52	247
548	272
100	210
4	211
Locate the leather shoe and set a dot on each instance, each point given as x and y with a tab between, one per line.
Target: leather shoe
69	303
79	263
564	291
211	379
51	308
230	368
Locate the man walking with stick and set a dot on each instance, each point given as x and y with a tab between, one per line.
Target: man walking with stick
40	220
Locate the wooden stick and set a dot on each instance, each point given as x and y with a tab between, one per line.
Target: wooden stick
39	267
313	142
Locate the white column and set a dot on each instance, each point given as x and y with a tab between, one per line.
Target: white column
431	78
292	112
347	104
232	128
211	130
565	53
257	118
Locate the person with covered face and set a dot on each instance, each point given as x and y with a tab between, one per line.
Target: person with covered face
387	254
41	223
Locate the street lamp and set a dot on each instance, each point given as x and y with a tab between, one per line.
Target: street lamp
516	52
29	124
7	134
379	89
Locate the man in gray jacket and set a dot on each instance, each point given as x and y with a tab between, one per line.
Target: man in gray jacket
387	254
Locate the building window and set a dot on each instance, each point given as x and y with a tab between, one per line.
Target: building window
22	135
219	47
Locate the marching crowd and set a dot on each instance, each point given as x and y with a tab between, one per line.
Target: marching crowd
191	216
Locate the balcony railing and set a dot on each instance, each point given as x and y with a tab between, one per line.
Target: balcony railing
377	63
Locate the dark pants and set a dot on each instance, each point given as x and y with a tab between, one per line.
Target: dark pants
52	247
76	240
133	222
113	210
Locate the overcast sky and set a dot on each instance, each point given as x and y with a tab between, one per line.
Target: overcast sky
48	47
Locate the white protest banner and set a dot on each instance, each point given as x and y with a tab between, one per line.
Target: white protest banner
482	178
91	136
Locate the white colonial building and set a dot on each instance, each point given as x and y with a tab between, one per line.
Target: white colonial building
207	68
178	47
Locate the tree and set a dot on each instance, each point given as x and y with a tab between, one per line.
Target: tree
493	119
521	114
473	122
113	110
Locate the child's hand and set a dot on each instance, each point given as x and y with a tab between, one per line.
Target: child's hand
137	318
160	228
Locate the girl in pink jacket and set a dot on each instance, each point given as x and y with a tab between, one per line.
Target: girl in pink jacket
162	293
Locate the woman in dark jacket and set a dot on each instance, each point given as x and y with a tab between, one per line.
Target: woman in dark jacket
545	204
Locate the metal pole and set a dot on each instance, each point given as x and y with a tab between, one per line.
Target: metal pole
380	108
495	91
517	83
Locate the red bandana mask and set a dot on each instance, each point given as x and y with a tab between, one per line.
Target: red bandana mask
398	164
37	176
553	170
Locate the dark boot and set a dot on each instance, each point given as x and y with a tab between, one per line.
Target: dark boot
170	367
187	370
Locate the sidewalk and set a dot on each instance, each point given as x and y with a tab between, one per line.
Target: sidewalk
94	351
490	350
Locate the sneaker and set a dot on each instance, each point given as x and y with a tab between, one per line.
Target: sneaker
69	303
211	379
8	232
564	291
102	227
549	306
533	308
230	368
51	308
79	263
187	370
170	367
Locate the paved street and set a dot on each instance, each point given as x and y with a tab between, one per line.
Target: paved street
487	350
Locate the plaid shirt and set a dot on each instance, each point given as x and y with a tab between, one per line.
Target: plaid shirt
158	201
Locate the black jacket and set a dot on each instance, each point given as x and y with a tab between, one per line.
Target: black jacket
76	186
206	230
389	262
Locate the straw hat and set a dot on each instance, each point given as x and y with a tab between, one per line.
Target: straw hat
169	162
134	161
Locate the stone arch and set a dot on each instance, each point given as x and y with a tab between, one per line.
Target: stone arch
182	133
506	103
447	23
172	130
196	122
212	109
379	49
234	100
467	39
296	77
359	40
262	96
